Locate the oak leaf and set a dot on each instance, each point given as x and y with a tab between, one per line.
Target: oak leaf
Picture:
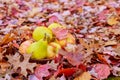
24	65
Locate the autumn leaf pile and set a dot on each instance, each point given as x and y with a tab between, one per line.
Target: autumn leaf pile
89	39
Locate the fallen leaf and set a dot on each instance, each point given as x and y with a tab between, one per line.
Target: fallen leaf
80	3
80	10
42	71
16	45
53	19
102	70
7	76
61	78
60	33
32	77
115	31
34	11
73	58
84	76
53	65
112	20
7	38
109	43
102	15
101	58
67	71
25	64
116	69
83	67
4	67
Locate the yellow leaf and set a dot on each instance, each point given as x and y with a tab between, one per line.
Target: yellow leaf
84	76
112	20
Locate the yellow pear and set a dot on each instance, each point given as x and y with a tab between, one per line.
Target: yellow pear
38	49
55	25
52	49
62	42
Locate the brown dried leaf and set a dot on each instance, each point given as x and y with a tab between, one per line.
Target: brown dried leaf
4	67
7	38
89	46
101	58
115	31
110	43
84	76
15	61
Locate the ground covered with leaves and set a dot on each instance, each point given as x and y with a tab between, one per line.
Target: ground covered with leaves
92	51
